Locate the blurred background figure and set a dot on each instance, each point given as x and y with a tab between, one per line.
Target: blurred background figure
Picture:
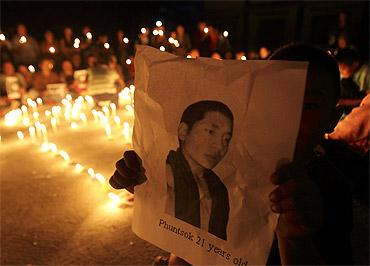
183	45
66	43
121	46
340	36
103	83
5	49
113	65
12	86
264	53
143	37
25	47
46	75
252	55
66	75
49	46
354	78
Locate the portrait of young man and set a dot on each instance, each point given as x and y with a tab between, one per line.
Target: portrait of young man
195	194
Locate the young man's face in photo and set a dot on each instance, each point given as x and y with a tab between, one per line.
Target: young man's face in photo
207	142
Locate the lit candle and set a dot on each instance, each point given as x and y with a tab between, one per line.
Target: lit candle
106	45
20	135
26	121
64	155
128	61
162	48
73	125
53	122
113	107
143	30
83	118
126	130
117	120
39	101
53	147
89	35
114	197
91	172
22	39
108	131
44	147
31	68
69	97
79	168
44	133
36	115
2	37
106	110
125	40
32	132
95	115
158	23
225	33
47	113
52	50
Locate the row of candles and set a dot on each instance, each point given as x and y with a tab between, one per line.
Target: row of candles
71	112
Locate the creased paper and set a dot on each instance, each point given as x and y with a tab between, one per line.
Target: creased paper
265	99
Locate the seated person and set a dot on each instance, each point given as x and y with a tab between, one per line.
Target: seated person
43	77
67	76
12	85
354	78
103	82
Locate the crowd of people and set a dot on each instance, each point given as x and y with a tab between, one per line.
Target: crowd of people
28	65
83	60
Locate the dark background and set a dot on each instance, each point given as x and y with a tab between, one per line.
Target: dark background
251	24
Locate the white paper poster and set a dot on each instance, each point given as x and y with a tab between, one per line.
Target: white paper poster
210	133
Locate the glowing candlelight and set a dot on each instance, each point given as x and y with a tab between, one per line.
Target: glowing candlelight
53	147
20	135
117	120
83	118
79	167
89	35
106	45
77	40
26	121
73	125
89	99
132	89
52	50
32	132
44	147
24	110
125	40
100	178
53	122
158	23
160	32
114	108
155	32
243	57
129	108
170	40
12	117
128	61
188	56
36	115
225	33
95	115
115	198
31	68
176	43
64	155
106	111
2	37
108	131
69	97
143	30
91	172
162	48
44	132
126	130
38	127
22	39
76	45
206	30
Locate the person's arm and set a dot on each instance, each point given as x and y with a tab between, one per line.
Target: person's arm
298	201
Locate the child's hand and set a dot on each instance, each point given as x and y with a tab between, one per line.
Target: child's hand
129	172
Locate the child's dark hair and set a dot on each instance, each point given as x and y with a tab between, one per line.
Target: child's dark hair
196	112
